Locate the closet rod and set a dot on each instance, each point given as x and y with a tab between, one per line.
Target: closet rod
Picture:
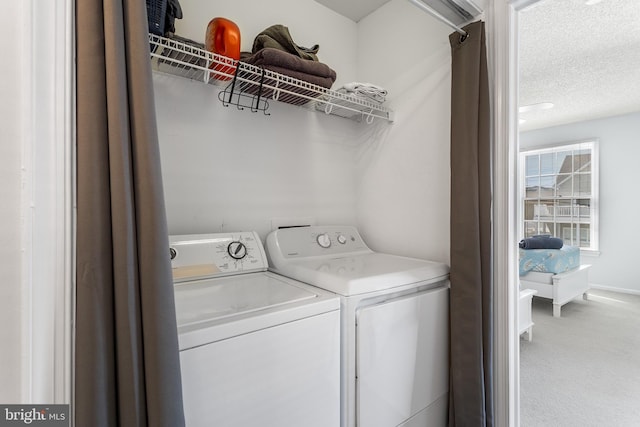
438	16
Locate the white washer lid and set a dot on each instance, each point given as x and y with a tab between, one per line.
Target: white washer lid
213	309
358	274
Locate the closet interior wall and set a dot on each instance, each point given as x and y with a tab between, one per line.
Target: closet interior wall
227	170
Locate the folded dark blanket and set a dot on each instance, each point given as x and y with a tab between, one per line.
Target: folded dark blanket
270	57
289	65
278	37
541	242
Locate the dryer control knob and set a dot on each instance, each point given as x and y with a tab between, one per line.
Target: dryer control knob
323	240
341	239
237	250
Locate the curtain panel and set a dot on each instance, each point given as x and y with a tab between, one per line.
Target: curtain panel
471	394
127	369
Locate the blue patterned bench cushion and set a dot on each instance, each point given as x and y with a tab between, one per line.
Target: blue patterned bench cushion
549	260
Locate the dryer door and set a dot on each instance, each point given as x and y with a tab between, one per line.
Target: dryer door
402	359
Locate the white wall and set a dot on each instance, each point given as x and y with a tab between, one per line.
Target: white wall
10	209
404	172
230	170
619	138
226	169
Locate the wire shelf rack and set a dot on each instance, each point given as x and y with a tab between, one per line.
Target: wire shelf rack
248	86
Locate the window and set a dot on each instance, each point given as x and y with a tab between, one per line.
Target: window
559	187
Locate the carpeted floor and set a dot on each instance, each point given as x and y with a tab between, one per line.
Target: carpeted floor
582	369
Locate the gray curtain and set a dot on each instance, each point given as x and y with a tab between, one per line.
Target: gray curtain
471	398
127	370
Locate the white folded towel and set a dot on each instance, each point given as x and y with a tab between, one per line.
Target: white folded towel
369	90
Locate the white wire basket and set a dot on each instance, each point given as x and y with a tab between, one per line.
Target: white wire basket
249	86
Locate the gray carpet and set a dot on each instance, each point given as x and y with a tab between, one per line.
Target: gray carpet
582	369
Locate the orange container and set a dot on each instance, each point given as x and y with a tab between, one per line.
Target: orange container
223	37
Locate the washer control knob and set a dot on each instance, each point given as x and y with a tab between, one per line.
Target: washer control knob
237	250
323	240
341	239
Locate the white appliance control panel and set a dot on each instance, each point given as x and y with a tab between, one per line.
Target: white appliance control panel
198	256
302	242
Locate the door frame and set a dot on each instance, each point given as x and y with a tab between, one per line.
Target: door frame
502	16
47	205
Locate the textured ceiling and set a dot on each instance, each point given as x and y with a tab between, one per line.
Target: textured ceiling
583	58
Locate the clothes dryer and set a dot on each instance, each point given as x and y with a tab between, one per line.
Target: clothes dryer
394	320
256	348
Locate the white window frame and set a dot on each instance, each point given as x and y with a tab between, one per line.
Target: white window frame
592	144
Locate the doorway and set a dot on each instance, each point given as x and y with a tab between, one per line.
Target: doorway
569	55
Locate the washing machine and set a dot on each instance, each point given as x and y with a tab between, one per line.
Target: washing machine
256	348
394	320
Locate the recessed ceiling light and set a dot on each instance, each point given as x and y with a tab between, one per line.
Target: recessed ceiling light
535	107
592	2
521	121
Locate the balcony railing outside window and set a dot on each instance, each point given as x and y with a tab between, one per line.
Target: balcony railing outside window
559	213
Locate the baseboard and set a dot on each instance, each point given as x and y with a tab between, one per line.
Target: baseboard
612	289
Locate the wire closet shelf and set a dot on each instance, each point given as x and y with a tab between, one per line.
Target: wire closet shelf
248	86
